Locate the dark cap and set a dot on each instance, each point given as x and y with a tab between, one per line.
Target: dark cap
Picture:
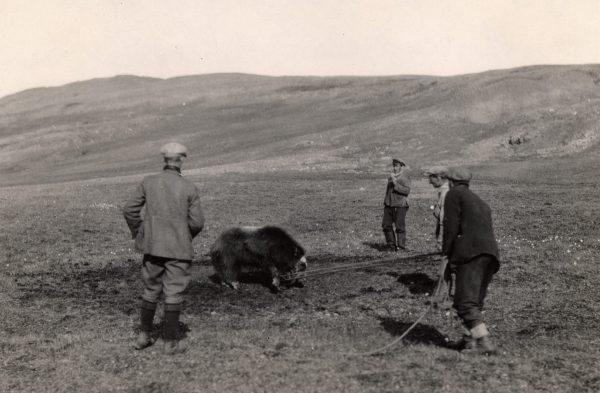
459	174
397	161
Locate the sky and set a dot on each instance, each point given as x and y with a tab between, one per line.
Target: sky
54	42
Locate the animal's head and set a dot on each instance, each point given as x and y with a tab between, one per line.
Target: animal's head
293	257
285	251
302	263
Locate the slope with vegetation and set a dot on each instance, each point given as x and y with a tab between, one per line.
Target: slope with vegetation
114	126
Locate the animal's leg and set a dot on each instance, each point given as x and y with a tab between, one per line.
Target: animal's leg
230	274
275	281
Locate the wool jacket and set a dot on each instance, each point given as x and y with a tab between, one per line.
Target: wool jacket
398	188
173	215
467	226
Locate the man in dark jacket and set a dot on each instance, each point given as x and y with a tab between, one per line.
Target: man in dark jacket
471	247
172	219
395	206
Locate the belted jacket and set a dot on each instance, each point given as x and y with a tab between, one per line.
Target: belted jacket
396	193
173	215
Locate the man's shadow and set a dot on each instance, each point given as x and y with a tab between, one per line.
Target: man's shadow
417	283
420	334
377	246
158	328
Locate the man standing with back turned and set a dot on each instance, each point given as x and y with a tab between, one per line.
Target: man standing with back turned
471	247
172	219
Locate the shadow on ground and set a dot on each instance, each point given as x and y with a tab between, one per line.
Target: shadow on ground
111	286
417	283
420	334
382	247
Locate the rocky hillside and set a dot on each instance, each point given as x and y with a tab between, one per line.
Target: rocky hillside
115	126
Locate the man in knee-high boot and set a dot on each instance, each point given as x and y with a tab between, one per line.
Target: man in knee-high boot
470	245
172	219
395	207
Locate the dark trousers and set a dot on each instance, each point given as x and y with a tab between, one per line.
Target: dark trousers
395	216
472	280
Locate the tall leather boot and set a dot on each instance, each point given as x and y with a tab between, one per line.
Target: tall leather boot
144	338
390	239
401	242
171	330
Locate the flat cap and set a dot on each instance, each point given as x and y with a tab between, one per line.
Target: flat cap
436	171
397	161
173	149
459	174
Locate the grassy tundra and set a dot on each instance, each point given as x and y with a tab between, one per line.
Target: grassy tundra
70	284
310	155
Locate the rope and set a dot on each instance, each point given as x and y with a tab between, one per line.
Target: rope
396	341
437	290
352	266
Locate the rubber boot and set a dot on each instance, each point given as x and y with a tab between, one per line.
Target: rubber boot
171	330
390	240
144	338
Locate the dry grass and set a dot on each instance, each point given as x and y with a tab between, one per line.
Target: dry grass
116	125
70	285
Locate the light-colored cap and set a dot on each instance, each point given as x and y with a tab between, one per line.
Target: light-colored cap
436	171
173	149
459	174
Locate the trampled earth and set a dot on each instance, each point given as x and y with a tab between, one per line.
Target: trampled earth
70	292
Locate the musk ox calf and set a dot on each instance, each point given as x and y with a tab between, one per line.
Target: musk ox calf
267	249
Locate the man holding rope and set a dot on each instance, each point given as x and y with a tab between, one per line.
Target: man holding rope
472	252
395	206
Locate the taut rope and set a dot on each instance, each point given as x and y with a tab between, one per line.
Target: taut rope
353	266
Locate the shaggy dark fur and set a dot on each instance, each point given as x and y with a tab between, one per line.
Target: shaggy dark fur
267	249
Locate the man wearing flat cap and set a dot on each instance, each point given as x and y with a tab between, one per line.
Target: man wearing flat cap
395	206
437	178
470	246
173	217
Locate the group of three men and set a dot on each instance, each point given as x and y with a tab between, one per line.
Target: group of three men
174	216
465	236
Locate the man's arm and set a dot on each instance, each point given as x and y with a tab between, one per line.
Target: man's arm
195	214
401	184
132	209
